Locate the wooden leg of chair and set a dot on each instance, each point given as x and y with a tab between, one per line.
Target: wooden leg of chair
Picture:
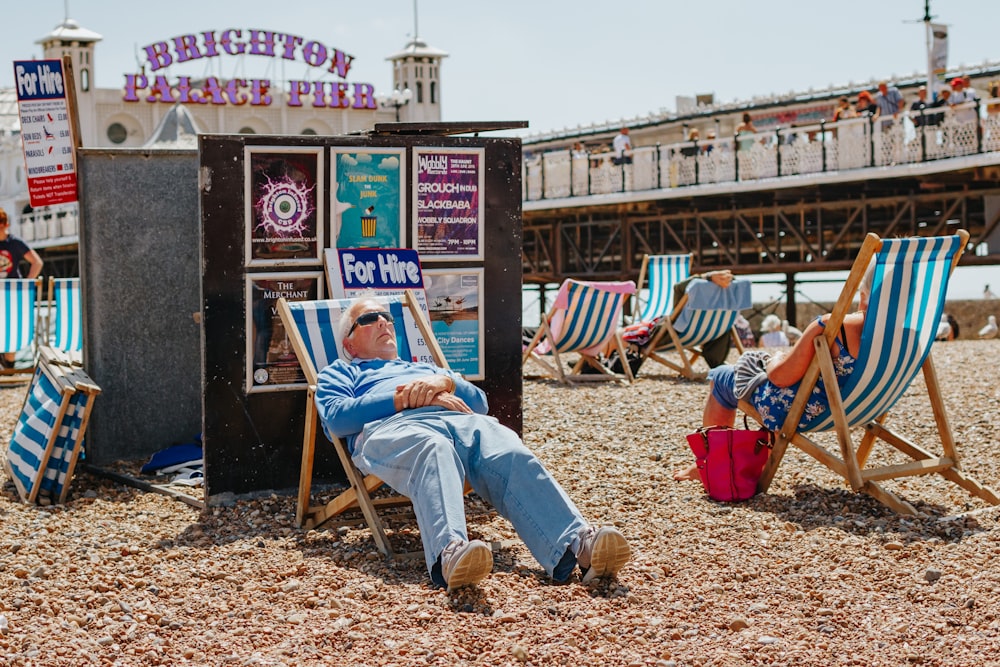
348	500
836	403
624	358
368	510
971	485
952	473
737	343
306	466
868	442
534	343
773	461
558	363
937	406
777	451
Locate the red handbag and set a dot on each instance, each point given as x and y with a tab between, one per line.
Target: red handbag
730	460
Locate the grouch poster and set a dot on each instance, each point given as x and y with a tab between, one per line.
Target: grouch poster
284	207
367	205
448	196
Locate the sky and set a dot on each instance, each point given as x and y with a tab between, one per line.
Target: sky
554	63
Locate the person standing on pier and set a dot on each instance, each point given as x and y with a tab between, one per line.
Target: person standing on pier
622	145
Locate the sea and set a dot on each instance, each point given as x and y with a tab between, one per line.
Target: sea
967	283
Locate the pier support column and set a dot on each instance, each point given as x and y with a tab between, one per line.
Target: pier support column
790	299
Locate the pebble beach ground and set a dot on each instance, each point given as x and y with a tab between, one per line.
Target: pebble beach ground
808	574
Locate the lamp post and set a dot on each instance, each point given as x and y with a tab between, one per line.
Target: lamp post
397	99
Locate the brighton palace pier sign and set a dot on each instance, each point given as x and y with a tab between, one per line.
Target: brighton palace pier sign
155	88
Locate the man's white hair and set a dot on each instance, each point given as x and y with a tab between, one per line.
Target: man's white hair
347	321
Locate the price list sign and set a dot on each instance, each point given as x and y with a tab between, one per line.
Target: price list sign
46	133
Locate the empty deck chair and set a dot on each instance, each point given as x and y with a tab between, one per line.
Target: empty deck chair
19	305
66	314
705	312
37	428
311	329
907	297
659	274
583	319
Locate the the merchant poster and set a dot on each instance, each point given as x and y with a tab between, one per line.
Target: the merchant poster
447	195
271	361
366	197
453	297
283	206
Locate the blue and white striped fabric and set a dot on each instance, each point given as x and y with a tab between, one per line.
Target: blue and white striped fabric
34	434
704	326
17	302
591	317
65	299
904	309
316	322
710	312
663	272
67	447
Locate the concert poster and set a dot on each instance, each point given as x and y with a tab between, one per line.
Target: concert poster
366	197
448	200
284	211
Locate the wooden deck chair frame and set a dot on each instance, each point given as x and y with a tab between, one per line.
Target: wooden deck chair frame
688	351
65	318
38	426
358	496
27	324
608	308
659	273
850	461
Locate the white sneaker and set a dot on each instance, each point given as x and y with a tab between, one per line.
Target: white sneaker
603	552
465	563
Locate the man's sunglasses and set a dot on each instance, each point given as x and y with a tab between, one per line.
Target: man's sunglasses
370	318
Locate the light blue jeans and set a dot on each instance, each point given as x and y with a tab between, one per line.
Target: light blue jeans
428	453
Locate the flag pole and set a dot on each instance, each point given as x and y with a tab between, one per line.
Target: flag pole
927	38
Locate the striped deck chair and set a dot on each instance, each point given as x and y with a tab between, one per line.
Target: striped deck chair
310	326
19	304
65	301
70	439
584	318
37	429
907	297
659	274
704	313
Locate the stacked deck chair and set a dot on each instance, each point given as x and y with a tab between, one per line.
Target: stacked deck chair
48	437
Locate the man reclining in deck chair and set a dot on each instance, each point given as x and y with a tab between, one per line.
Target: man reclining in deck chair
424	431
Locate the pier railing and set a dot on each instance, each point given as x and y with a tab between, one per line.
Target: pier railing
856	143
